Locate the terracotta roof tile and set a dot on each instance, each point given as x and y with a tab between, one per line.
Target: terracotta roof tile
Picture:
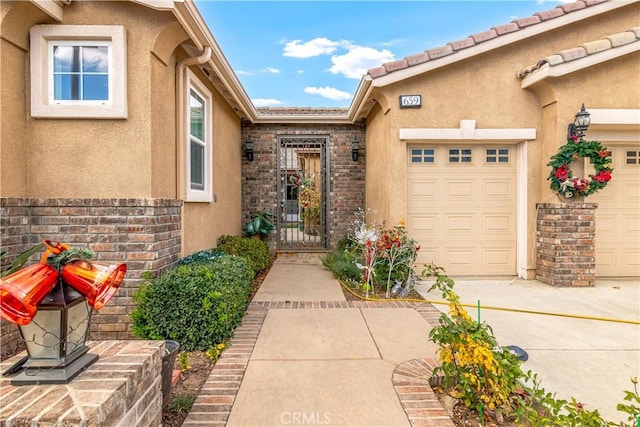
506	28
589	48
570	7
621	39
525	22
496	32
462	44
288	111
573	53
377	72
395	65
417	59
545	15
596	46
439	52
484	36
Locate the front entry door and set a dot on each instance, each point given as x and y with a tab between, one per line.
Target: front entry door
302	193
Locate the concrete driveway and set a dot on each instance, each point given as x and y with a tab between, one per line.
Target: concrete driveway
591	360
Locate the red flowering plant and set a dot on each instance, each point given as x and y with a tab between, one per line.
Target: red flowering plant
397	253
385	256
562	180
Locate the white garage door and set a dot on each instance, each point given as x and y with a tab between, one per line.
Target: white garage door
618	216
461	207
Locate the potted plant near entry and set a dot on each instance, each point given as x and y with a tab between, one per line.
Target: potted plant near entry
260	225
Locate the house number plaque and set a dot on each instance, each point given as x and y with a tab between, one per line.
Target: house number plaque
410	101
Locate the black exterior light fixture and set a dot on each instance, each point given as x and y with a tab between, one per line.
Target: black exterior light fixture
578	128
355	147
248	149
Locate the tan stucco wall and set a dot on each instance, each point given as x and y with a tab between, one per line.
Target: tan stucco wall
136	157
205	222
377	171
487	90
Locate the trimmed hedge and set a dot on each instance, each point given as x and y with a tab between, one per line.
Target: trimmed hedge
254	251
197	304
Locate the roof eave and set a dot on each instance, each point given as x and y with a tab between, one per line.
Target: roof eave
559	70
504	40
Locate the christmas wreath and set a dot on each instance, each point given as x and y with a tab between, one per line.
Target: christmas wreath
561	177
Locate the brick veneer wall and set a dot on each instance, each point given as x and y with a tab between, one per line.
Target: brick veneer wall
143	233
566	244
346	177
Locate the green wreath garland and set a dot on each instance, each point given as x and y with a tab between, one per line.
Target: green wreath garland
562	180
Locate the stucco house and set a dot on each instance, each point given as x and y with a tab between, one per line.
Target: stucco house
124	129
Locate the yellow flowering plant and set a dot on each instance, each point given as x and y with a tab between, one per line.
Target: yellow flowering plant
474	367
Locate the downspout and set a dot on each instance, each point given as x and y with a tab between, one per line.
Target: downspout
180	129
180	101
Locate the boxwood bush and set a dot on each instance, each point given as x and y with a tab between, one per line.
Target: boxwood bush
196	304
255	251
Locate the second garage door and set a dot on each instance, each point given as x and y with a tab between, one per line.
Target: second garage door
461	207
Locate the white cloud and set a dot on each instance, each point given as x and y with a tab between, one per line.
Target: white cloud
315	47
328	92
243	73
266	102
355	63
271	70
300	71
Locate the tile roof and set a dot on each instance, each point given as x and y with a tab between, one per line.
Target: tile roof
589	48
287	111
478	38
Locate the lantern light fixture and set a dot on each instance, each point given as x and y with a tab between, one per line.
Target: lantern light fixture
355	148
248	149
578	128
52	308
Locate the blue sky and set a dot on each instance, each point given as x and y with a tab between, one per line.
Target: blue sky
313	54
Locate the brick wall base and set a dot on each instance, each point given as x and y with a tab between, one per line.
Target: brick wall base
143	233
566	244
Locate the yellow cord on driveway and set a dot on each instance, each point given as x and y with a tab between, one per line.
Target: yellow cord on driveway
489	307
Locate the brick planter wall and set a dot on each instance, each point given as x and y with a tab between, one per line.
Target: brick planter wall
346	177
566	244
143	233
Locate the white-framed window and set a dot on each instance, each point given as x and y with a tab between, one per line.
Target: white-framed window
78	71
198	148
423	155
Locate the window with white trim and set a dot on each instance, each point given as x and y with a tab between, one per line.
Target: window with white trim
78	71
423	155
198	151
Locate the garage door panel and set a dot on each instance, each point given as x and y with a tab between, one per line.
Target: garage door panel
618	217
424	225
457	224
502	224
497	189
458	190
498	257
463	213
426	189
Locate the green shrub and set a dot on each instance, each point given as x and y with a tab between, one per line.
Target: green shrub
197	305
254	251
201	256
342	261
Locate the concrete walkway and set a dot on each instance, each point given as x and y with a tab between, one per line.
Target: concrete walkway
306	356
303	355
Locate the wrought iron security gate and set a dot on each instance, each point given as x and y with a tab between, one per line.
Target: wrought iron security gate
302	192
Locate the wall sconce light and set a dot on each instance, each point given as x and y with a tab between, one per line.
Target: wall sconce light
355	147
578	128
248	149
52	308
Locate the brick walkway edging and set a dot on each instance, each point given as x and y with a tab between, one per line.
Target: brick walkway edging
410	379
